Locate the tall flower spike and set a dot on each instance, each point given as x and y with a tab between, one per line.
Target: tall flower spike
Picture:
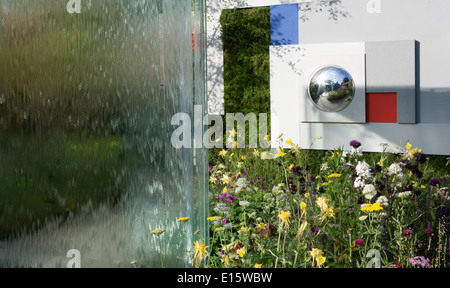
284	217
223	152
322	202
327	213
317	256
280	152
302	229
303	206
199	253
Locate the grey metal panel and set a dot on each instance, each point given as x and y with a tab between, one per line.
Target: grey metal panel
434	106
391	67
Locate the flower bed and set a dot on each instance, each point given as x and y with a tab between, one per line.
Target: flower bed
355	210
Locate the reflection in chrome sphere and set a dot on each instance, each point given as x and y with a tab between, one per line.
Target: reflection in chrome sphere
331	88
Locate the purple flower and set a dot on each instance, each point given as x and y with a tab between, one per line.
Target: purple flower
434	181
257	178
314	229
224	195
250	182
223	221
355	144
420	260
407	232
420	157
231	198
429	231
209	168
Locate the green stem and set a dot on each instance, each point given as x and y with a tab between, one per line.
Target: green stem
285	176
279	238
211	261
350	246
284	242
185	246
296	254
160	251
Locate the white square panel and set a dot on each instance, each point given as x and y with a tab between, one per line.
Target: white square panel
350	57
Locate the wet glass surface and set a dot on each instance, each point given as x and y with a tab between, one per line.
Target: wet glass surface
86	160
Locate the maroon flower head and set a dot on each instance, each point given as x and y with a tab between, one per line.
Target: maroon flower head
355	144
359	241
407	232
434	181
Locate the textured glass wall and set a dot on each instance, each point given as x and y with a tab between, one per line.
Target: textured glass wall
86	101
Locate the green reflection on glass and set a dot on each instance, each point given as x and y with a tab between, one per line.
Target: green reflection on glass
85	106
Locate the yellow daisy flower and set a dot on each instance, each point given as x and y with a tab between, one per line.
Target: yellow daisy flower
335	175
158	231
372	207
183	219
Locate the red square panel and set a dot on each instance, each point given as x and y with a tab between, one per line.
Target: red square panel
381	107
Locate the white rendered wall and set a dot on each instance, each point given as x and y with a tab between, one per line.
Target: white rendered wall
423	21
413	20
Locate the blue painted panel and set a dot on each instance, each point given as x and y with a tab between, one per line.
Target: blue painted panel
284	24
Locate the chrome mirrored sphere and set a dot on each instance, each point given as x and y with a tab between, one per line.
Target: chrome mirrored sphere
331	88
